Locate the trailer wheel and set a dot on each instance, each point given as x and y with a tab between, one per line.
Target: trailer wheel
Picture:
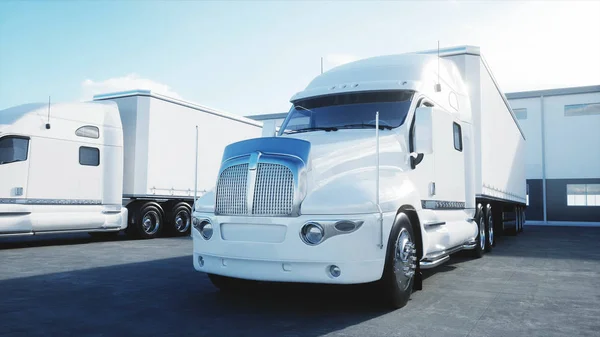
396	283
489	224
147	221
517	220
480	240
522	220
180	219
518	214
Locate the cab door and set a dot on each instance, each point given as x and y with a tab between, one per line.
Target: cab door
449	173
449	160
14	170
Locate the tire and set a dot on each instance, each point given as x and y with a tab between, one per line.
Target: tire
514	230
490	241
518	220
147	222
396	286
522	222
480	240
180	219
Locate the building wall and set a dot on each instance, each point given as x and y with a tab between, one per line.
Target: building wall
571	147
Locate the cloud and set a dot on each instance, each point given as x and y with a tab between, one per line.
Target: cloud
334	60
128	82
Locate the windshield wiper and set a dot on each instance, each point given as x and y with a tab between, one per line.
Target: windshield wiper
381	127
324	128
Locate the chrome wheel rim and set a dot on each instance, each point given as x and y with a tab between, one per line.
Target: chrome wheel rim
491	229
481	233
151	222
182	221
404	259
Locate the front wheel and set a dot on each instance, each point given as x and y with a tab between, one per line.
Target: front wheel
400	265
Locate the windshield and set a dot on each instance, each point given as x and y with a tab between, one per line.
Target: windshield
13	149
348	111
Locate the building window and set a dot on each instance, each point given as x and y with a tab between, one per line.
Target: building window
457	137
520	113
89	156
582	109
88	131
583	194
13	149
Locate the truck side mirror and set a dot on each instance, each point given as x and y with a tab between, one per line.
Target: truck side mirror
424	130
269	129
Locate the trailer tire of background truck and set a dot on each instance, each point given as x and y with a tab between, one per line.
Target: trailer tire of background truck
179	218
146	221
490	241
480	240
396	288
522	218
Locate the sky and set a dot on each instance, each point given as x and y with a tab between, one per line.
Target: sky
249	58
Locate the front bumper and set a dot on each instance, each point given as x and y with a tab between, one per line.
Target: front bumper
270	249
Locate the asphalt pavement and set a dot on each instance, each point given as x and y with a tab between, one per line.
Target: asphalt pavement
544	282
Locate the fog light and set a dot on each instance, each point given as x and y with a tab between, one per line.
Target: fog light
200	261
312	233
335	271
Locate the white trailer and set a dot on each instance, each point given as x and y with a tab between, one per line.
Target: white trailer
122	161
383	167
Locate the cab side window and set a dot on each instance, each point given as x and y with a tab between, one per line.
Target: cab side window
89	156
13	149
458	145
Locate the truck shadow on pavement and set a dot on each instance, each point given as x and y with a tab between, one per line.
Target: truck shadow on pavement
47	240
167	297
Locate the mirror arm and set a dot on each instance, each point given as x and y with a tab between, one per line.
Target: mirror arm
416	158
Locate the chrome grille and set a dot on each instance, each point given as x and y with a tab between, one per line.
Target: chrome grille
231	190
274	190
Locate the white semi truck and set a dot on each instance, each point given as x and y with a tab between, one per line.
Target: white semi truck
383	167
122	161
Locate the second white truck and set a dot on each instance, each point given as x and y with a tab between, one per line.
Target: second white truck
383	167
124	161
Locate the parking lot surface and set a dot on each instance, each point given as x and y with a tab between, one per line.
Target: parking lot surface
544	282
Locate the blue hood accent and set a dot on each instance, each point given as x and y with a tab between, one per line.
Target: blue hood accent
269	145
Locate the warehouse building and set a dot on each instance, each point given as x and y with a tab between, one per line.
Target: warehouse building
562	130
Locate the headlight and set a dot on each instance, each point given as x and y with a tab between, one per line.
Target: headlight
204	227
312	233
206	230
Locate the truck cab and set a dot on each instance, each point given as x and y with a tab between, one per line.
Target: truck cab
370	178
60	169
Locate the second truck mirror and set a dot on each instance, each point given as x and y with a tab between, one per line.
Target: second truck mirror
424	130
